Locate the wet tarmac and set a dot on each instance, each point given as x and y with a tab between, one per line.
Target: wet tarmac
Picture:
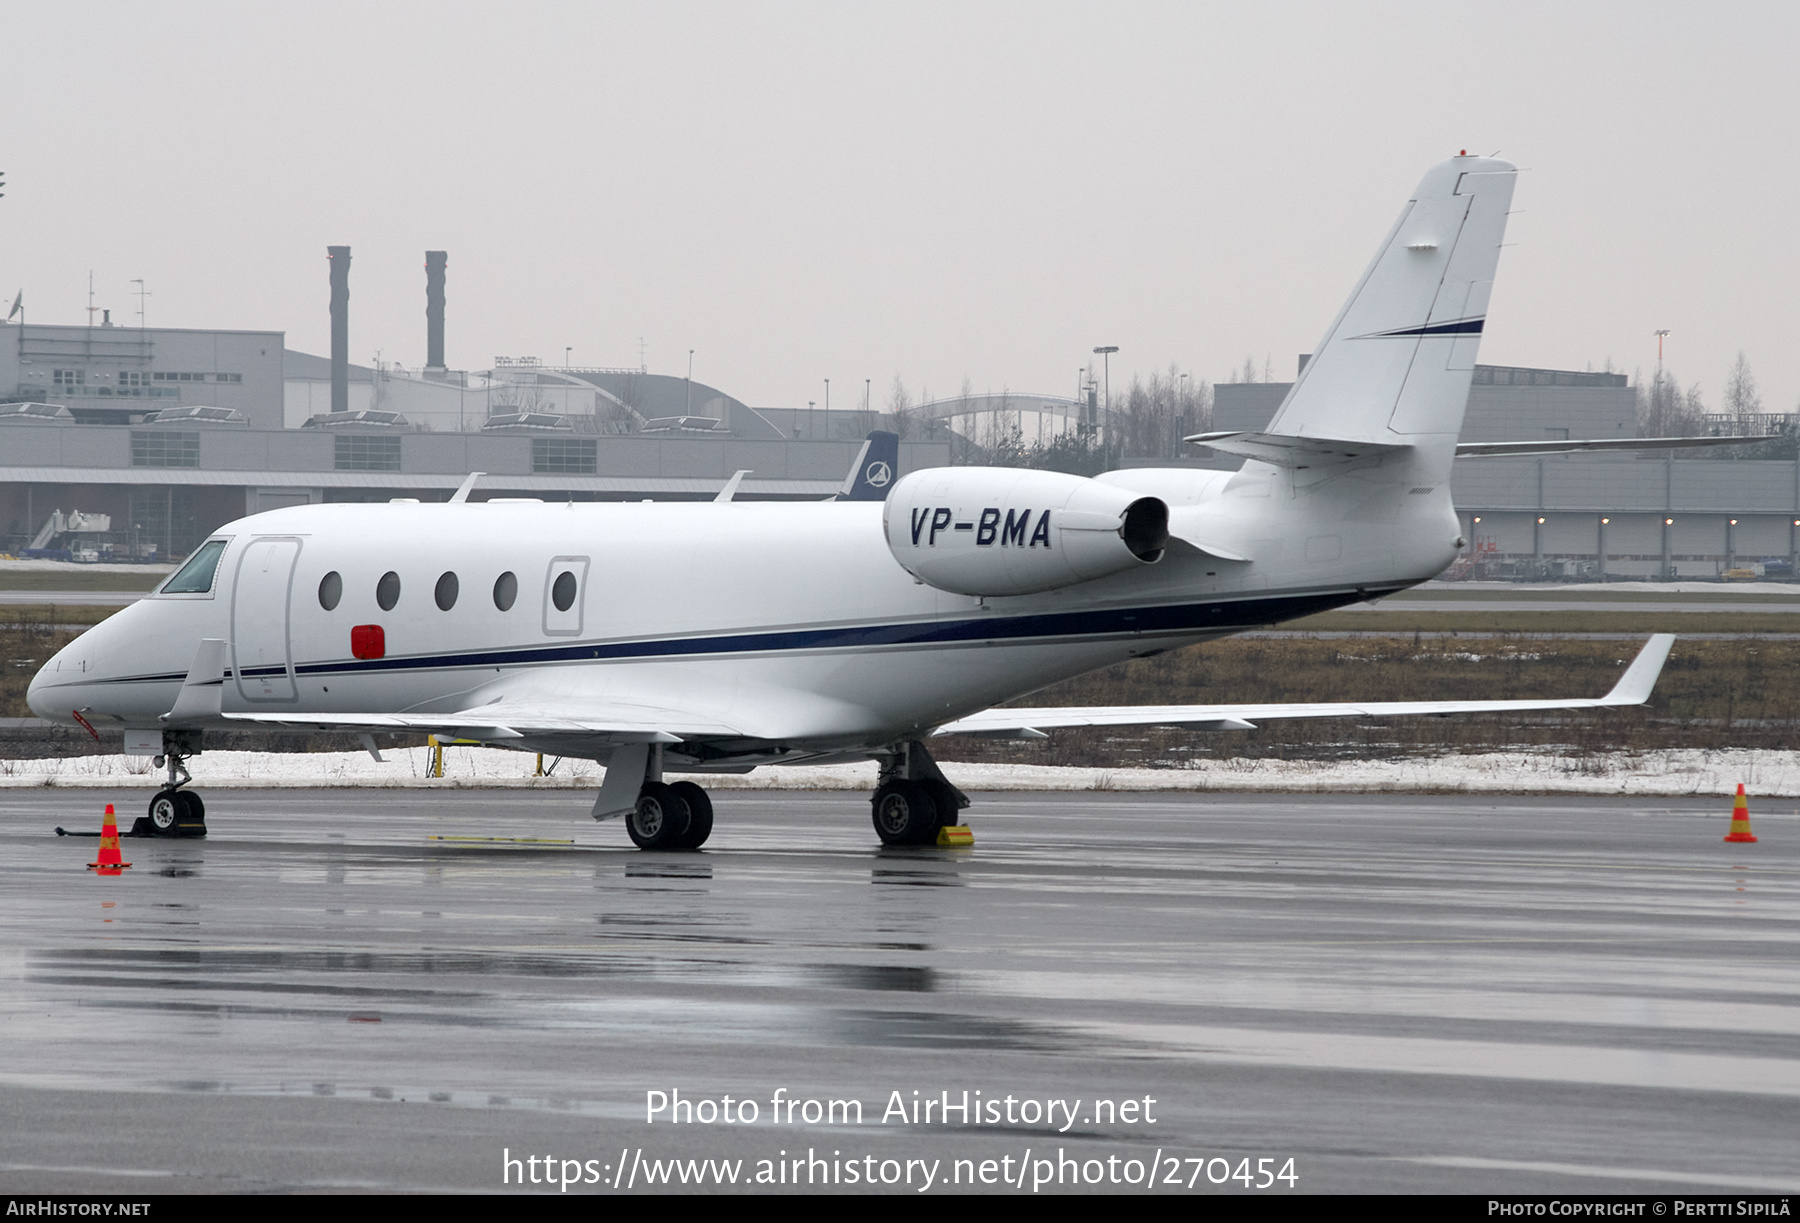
1395	993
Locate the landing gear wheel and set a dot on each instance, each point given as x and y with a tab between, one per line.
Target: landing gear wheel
943	794
660	819
167	810
700	814
196	808
904	814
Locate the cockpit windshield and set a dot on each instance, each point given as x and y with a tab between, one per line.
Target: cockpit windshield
196	577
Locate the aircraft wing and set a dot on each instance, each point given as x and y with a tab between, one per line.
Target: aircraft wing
496	723
1500	450
1284	450
1633	688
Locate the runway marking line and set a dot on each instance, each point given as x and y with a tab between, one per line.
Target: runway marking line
503	840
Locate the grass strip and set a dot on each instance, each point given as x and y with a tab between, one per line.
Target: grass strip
60	579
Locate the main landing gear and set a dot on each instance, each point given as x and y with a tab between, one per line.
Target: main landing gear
670	816
914	798
175	812
658	815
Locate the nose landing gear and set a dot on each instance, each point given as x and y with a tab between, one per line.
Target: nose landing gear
175	812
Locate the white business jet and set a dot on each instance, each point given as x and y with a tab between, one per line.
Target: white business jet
724	636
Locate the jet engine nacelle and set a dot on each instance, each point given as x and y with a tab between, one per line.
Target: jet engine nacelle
1005	531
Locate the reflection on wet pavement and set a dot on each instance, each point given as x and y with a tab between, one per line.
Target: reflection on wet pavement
1239	956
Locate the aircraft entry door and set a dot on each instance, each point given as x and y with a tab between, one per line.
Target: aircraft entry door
259	620
565	593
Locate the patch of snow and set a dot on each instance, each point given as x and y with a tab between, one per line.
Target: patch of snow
1685	772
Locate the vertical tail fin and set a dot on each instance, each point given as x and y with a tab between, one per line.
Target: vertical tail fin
876	468
1395	366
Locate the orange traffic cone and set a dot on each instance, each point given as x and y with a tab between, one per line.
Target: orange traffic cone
109	863
1740	819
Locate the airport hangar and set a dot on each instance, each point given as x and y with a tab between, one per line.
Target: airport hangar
172	432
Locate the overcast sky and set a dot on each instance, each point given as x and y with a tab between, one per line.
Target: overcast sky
941	191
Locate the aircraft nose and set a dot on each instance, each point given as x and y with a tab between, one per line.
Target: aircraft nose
36	695
46	697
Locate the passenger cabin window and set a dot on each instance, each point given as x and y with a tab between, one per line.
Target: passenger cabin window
196	577
446	592
331	589
387	590
562	592
506	590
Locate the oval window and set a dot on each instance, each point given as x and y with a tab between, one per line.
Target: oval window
331	589
562	593
387	590
446	592
506	589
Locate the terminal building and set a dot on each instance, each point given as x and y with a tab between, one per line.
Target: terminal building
171	433
150	438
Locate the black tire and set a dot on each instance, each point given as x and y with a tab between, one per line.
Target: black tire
660	819
904	814
196	808
167	809
700	813
944	795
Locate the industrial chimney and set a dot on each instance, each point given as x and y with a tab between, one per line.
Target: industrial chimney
434	310
340	327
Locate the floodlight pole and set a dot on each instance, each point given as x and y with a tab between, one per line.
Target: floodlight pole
1656	397
1106	351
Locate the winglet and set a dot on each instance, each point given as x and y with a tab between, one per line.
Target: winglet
1640	677
731	485
467	487
202	694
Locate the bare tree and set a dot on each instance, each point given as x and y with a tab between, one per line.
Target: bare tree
900	407
1741	398
1152	415
1665	410
1744	405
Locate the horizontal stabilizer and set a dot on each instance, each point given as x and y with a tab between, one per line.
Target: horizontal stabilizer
1284	450
1633	688
1496	450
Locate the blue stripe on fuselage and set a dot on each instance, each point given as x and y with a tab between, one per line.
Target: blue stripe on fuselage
1225	617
